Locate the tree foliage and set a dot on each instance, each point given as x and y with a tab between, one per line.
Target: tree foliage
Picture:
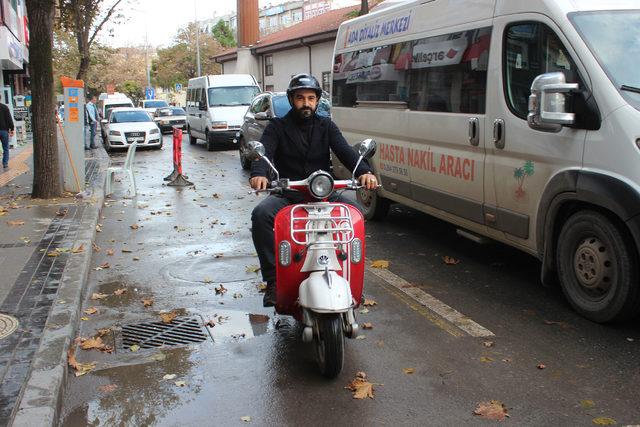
177	63
223	34
85	19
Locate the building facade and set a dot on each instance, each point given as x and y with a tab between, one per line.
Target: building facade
14	49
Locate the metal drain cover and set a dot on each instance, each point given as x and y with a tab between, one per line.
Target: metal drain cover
181	330
8	324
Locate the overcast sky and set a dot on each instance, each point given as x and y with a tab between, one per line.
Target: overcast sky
163	18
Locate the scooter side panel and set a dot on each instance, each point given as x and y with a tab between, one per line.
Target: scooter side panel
356	274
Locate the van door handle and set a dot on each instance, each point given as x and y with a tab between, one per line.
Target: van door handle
474	137
498	133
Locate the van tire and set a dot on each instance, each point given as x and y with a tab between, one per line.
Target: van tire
598	268
192	139
209	139
374	207
244	162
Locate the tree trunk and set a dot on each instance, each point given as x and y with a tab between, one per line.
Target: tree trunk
46	173
364	7
84	67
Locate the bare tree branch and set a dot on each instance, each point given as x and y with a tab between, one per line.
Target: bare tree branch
104	21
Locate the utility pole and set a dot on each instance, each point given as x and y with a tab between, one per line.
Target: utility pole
195	8
146	59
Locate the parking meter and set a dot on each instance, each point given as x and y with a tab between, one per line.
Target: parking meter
72	153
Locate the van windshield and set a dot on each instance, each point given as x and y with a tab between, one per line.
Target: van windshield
614	39
231	96
108	108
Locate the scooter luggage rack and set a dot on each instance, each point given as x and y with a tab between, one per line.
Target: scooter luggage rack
340	230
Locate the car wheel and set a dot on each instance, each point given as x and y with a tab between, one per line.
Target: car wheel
107	147
192	139
374	206
597	268
209	139
244	162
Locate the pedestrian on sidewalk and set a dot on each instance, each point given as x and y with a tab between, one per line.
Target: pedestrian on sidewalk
91	120
6	132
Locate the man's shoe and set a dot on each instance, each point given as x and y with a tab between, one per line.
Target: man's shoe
5	166
269	298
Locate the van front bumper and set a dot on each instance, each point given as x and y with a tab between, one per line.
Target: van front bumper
225	135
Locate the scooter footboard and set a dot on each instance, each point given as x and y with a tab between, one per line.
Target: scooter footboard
325	291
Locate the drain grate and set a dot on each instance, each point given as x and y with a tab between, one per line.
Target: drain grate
8	325
181	330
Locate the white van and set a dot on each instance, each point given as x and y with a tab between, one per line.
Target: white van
216	106
513	119
107	104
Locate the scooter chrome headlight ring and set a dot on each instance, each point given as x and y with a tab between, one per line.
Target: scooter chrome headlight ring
320	184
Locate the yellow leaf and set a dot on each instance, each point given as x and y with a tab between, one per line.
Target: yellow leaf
147	302
360	387
408	371
604	421
15	223
91	310
380	263
84	318
168	317
485	359
126	251
253	269
587	404
369	302
53	253
119	291
78	249
90	343
492	410
134	348
96	296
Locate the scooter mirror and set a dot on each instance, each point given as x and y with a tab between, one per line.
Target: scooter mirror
367	148
255	150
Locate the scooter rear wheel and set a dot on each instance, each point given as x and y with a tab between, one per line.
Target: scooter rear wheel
330	344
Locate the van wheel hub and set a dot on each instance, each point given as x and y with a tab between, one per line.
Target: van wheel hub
593	266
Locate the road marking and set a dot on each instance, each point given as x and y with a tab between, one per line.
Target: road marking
433	304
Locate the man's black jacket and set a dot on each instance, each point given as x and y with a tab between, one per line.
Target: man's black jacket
296	159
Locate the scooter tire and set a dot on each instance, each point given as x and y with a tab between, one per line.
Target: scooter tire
330	345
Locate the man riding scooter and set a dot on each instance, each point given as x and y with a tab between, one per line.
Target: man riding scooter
297	144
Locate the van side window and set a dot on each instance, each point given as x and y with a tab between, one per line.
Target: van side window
446	73
189	97
203	96
531	49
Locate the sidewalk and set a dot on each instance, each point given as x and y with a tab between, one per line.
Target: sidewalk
42	278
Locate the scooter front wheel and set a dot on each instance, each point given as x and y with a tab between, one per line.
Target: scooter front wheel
330	344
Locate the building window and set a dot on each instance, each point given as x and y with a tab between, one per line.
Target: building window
268	65
268	88
326	79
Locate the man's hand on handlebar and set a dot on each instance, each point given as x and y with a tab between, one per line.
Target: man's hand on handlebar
368	181
259	183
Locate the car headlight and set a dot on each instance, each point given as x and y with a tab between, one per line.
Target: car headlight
219	125
164	122
156	130
114	133
321	184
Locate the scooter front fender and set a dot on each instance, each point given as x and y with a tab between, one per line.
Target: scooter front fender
325	294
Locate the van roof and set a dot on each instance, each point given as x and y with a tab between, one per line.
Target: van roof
227	80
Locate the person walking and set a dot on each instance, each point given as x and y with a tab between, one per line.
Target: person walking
91	115
6	131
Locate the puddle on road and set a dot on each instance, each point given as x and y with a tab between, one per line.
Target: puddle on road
231	325
226	269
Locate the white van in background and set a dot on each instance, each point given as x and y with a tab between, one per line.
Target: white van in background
216	106
105	106
513	119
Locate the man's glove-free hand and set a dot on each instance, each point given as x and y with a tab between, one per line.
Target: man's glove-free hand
259	183
368	181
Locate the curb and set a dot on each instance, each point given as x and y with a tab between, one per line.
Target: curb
42	394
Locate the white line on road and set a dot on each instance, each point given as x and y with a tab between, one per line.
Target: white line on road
433	304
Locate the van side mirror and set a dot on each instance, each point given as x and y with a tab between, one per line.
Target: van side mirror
202	106
548	103
366	149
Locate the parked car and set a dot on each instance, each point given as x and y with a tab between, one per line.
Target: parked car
264	107
151	105
216	106
128	125
167	118
107	104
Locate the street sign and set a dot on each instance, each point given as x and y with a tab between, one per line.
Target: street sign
150	93
178	87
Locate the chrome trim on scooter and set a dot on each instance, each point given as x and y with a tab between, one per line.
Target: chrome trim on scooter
284	253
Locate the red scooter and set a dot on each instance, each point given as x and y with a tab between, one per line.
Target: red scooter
320	254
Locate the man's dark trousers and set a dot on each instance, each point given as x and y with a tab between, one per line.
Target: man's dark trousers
4	137
262	219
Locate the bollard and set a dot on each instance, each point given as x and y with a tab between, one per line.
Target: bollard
176	177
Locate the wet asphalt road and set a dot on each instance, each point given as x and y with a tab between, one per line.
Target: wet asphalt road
190	241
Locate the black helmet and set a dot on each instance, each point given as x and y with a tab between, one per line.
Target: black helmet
303	81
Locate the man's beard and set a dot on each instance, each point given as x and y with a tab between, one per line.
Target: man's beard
304	113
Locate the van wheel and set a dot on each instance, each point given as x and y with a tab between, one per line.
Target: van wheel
209	139
374	206
598	268
192	139
244	162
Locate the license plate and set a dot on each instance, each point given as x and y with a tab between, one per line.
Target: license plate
135	139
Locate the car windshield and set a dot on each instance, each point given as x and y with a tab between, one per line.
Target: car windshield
129	116
614	39
155	104
280	105
231	96
171	112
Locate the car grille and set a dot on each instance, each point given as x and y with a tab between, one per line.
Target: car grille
234	127
131	136
177	122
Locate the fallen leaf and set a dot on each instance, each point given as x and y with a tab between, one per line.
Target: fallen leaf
78	249
493	410
488	343
169	376
134	348
450	260
207	280
262	287
245	419
119	291
105	265
369	303
180	383
126	251
15	223
110	251
104	331
135	258
98	228
220	290
216	196
95	247
81	368
168	317
253	269
587	404
380	263
367	325
134	226
53	254
210	323
361	337
237	295
364	311
485	359
360	387
158	357
408	371
62	212
95	343
147	302
90	310
604	421
107	388
96	296
84	318
541	366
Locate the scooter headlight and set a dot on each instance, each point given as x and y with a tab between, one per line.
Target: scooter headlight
321	185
